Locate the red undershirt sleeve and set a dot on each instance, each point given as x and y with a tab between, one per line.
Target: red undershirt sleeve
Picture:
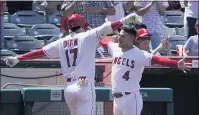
150	59
116	25
164	61
32	55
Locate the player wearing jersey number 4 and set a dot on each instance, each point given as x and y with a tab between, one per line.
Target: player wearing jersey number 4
127	68
77	56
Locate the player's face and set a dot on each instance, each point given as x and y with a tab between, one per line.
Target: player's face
125	40
144	42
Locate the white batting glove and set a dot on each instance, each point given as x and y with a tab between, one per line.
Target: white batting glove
132	18
82	82
11	61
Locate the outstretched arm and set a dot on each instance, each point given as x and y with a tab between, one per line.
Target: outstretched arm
108	27
51	50
12	61
164	61
32	55
170	63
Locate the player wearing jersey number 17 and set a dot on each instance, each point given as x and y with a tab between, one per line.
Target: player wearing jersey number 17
77	56
127	68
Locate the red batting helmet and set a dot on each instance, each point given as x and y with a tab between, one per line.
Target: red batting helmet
77	20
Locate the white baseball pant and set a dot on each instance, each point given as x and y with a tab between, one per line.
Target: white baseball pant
131	104
80	100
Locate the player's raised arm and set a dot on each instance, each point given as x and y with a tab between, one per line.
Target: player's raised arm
51	50
109	27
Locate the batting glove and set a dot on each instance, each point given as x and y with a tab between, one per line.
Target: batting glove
132	18
82	82
11	61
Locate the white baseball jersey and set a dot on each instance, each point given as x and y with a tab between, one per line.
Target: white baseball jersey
127	67
76	53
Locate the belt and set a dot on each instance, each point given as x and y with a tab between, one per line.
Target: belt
118	95
70	79
74	79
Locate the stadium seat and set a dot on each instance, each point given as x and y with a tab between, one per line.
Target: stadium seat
172	31
55	38
174	19
6	17
21	44
11	29
43	29
177	40
27	18
44	32
6	53
55	19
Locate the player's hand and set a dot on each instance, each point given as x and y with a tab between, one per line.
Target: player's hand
132	18
11	61
164	44
182	66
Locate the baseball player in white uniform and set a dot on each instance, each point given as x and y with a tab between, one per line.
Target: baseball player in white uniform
127	68
77	56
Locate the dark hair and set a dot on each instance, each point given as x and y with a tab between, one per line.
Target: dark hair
141	25
130	29
75	28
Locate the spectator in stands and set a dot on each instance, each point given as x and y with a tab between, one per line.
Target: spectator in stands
93	12
49	7
191	15
119	11
174	5
142	41
152	12
129	7
191	46
14	6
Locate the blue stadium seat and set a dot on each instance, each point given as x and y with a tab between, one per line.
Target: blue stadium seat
173	19
6	17
55	19
176	31
177	40
21	44
55	38
43	29
6	53
44	32
11	29
27	18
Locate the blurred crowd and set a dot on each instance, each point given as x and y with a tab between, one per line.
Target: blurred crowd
152	34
